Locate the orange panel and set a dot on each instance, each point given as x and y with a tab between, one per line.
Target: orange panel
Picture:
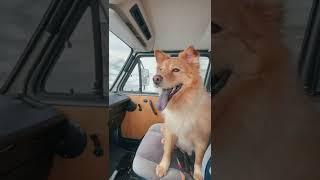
136	123
87	166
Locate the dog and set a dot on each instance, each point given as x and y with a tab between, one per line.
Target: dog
264	127
185	105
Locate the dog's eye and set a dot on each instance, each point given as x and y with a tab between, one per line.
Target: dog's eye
175	70
160	69
215	28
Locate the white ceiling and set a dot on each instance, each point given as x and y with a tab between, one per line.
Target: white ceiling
179	23
176	24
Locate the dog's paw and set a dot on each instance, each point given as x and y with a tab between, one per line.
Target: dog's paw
197	173
197	176
161	170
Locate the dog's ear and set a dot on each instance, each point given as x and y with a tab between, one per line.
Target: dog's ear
190	55
160	56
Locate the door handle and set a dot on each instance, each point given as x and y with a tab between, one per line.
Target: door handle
140	108
98	151
152	108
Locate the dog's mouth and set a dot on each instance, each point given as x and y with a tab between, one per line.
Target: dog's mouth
166	95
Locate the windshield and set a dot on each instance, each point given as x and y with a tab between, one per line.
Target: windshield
118	54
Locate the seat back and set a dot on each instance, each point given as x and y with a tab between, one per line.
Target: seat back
206	164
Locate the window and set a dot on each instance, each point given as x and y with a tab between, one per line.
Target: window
118	54
204	64
149	63
133	81
19	19
74	71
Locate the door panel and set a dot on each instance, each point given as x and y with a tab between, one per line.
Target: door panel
136	123
87	166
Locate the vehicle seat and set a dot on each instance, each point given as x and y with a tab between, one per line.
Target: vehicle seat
149	154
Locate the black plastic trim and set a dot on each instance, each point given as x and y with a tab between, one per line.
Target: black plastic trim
97	47
137	16
309	65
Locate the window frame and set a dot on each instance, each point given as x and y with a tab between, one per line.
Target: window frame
308	65
70	23
136	59
96	37
132	67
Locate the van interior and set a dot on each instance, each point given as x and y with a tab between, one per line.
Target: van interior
136	29
146	25
69	109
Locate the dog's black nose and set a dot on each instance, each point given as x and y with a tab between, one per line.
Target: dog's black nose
157	79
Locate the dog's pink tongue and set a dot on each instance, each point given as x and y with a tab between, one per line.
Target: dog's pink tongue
163	99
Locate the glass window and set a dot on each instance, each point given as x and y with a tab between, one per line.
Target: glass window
118	54
149	63
204	64
74	71
132	84
19	19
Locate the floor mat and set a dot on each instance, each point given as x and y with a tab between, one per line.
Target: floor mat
124	168
116	153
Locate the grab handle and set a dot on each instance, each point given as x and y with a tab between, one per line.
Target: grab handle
152	108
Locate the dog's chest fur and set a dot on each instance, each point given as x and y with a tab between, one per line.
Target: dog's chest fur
182	122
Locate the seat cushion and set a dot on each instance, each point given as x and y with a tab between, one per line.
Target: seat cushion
149	154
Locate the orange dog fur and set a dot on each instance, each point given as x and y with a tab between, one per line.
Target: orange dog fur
188	113
264	126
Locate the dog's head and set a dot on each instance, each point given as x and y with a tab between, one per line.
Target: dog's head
175	75
246	34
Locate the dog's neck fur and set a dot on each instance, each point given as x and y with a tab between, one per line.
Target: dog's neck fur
188	96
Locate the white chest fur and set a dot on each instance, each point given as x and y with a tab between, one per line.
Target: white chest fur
181	123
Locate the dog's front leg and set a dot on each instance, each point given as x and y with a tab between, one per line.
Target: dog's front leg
170	141
199	153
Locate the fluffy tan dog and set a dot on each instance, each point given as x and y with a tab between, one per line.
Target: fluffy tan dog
264	126
185	105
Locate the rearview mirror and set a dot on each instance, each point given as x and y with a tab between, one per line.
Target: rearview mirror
145	77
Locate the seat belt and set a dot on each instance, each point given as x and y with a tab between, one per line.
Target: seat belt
185	163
